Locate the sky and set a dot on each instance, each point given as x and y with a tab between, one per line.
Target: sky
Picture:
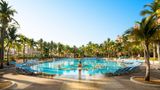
76	22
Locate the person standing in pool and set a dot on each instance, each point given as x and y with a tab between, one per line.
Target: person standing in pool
79	69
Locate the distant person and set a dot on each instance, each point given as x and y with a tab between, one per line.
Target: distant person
138	56
59	66
79	69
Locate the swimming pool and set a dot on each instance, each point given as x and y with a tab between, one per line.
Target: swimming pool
69	66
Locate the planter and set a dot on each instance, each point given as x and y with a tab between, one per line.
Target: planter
12	85
143	83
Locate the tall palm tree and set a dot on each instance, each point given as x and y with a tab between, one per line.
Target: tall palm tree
154	6
11	39
157	41
83	50
6	16
23	40
145	30
51	48
40	44
106	47
32	43
54	48
60	49
154	9
46	49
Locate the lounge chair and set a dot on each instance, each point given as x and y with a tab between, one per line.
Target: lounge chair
126	70
118	71
12	63
133	69
23	69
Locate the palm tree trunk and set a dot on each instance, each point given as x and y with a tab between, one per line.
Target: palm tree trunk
144	54
147	76
108	56
32	53
158	51
24	53
8	55
41	53
2	49
154	50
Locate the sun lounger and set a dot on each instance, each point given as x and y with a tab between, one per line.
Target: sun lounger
125	70
118	71
134	69
12	62
23	69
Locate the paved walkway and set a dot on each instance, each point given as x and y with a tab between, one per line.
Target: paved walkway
108	84
25	82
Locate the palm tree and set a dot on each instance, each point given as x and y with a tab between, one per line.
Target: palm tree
154	6
154	9
75	49
60	48
23	40
32	44
51	48
66	50
40	44
18	47
6	16
107	47
157	41
89	48
54	48
83	50
144	31
11	38
46	49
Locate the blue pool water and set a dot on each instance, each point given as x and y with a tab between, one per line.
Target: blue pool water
68	66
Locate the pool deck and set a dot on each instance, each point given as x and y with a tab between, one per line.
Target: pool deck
25	82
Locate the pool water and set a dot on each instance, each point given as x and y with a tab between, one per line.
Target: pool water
69	66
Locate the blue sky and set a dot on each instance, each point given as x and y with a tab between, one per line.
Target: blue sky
76	22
